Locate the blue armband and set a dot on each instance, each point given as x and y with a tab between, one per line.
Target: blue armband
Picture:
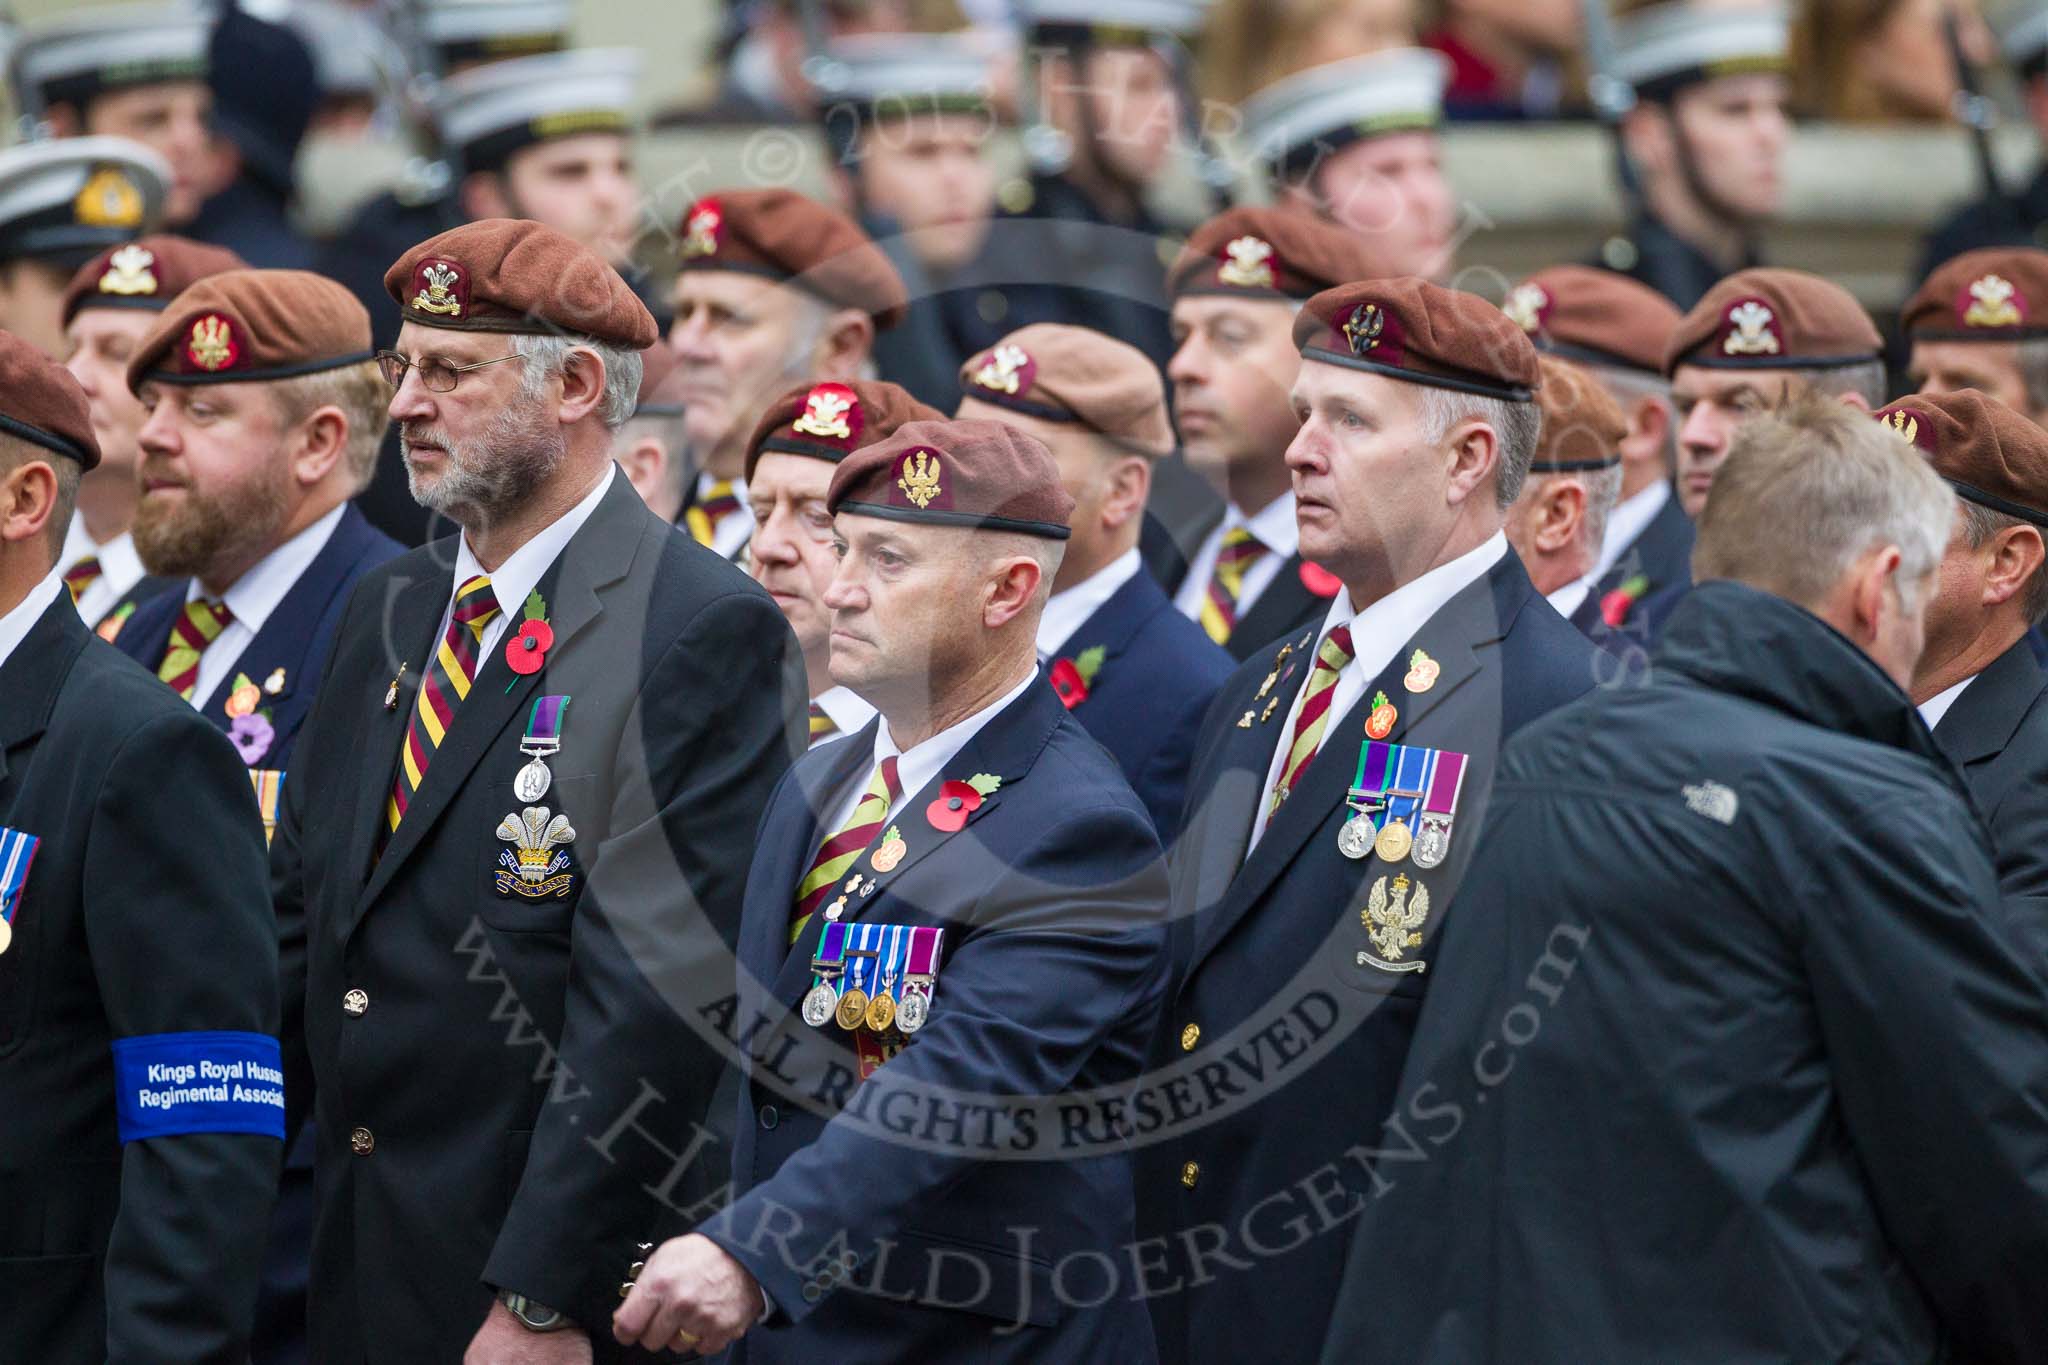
171	1083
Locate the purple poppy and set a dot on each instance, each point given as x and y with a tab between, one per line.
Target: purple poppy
251	735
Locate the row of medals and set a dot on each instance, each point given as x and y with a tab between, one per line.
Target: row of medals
853	1007
1392	843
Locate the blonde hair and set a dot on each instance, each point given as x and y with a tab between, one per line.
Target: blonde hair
364	399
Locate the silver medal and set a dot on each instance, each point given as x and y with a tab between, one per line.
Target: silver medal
1355	839
1433	843
532	782
913	1009
819	1004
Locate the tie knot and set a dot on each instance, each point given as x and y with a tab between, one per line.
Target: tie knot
1237	537
475	603
217	612
1336	650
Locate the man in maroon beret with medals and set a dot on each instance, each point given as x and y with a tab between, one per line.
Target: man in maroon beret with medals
512	886
953	937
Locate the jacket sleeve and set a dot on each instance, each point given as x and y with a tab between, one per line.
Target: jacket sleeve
1070	951
714	729
1930	1008
182	942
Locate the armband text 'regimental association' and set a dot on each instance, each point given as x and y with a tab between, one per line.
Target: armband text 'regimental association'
221	1082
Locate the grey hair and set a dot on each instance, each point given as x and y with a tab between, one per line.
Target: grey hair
2034	371
1808	490
807	333
1866	380
1980	524
547	356
1516	428
1603	490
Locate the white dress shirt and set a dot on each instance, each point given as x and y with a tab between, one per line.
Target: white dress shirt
120	568
921	763
1572	595
847	712
1273	526
521	572
1067	610
1936	706
1627	521
1376	634
15	625
731	535
253	597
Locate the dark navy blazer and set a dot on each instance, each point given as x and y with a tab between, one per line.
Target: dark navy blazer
296	638
1159	672
1281	1045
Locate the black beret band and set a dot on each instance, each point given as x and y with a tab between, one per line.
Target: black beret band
1998	504
48	440
1778	362
971	520
1507	393
271	372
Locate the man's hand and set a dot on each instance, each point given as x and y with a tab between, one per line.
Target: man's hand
691	1296
504	1340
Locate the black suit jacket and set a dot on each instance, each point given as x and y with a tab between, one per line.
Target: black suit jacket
144	913
1997	733
517	1092
1281	1044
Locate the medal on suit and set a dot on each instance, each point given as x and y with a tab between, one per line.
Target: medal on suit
1433	840
1367	798
1354	840
17	851
822	1000
920	978
1413	769
543	738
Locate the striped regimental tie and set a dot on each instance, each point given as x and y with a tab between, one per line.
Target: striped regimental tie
448	676
1331	657
839	853
822	727
717	504
191	633
1239	551
81	576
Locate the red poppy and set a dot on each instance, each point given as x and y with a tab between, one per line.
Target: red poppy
1614	607
1319	580
957	801
527	650
1068	682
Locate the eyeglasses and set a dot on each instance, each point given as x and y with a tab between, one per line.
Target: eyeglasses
437	374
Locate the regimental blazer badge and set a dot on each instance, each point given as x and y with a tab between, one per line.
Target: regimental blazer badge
1393	918
536	867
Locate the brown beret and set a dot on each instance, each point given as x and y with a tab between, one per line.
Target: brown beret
41	403
1072	374
830	421
1774	320
1988	453
1268	253
1409	329
986	475
784	235
514	275
657	363
253	324
1593	316
1997	294
1582	424
146	273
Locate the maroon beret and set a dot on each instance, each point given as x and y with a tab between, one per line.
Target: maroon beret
515	275
783	235
1999	293
1409	329
146	273
253	324
829	421
986	475
1059	373
1774	320
1989	454
1270	253
41	403
1582	424
1593	316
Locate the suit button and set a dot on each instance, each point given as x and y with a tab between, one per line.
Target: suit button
770	1116
362	1142
356	1003
1189	1036
1190	1173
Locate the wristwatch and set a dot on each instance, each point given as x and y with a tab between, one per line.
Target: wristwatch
534	1317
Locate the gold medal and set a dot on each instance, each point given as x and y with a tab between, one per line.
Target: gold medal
881	1012
1394	841
889	854
853	1008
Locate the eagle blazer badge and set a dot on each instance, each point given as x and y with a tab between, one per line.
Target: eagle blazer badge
1393	918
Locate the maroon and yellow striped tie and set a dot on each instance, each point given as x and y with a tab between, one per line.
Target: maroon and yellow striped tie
81	576
1331	657
1239	551
837	855
448	676
191	633
718	503
821	724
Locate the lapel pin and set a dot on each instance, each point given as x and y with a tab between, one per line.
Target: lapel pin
1380	723
1244	722
1422	672
274	684
391	692
1267	714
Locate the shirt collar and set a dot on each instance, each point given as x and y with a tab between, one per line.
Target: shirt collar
15	625
521	572
1937	706
1067	610
1571	596
255	595
920	763
847	712
119	560
1629	519
1272	525
78	543
1382	628
706	481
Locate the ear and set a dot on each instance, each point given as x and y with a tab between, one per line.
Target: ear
1872	585
1012	584
28	496
1561	513
482	195
2016	556
582	386
1854	400
849	337
1474	450
643	461
1649	431
1130	483
318	444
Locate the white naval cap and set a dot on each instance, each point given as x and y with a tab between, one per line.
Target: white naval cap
68	200
2025	38
489	112
463	31
877	73
76	55
1114	23
352	53
1666	47
1300	117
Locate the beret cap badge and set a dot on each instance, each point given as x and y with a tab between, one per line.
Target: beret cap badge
109	199
1363	328
129	272
212	345
1250	265
701	230
438	289
1992	303
1752	330
1904	423
826	409
1525	306
1005	370
919	476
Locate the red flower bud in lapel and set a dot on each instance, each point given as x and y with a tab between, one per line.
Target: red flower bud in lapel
1616	605
1319	580
1066	680
956	801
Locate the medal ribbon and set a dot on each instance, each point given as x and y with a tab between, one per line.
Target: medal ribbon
1375	764
1412	775
865	969
1445	785
890	970
544	725
924	952
831	952
17	851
